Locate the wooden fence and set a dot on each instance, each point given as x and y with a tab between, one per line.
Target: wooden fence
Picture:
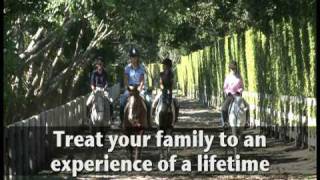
26	141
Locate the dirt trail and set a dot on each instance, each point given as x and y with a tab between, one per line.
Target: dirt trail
286	162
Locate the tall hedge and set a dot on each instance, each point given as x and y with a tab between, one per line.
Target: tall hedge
278	63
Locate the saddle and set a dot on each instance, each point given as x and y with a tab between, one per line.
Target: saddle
166	98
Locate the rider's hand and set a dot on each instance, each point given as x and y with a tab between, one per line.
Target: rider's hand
246	126
105	88
93	87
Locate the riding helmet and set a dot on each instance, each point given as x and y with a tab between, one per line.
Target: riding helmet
133	52
233	65
99	61
167	61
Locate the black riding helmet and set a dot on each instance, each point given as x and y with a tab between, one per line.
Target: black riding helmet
99	61
167	61
133	52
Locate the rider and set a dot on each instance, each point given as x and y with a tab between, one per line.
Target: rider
99	79
133	76
166	83
233	86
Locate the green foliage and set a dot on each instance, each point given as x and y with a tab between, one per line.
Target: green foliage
278	64
56	61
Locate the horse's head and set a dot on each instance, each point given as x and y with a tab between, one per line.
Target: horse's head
133	90
98	107
135	109
98	100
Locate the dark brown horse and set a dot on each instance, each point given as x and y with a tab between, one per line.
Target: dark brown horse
165	118
135	118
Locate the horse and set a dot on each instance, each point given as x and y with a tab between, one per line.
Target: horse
135	118
100	110
165	117
238	118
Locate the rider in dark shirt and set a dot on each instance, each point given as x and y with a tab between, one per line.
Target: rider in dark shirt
166	78
99	79
166	84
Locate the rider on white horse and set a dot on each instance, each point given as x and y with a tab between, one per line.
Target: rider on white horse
233	86
98	80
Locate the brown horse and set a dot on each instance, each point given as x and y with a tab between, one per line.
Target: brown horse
135	118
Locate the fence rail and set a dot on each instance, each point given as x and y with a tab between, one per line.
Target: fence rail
276	113
26	143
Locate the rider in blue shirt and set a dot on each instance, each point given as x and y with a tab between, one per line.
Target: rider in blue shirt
133	76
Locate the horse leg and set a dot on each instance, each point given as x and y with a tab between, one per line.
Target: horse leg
164	151
139	149
135	153
129	148
235	150
161	151
169	131
161	148
241	137
226	148
103	130
90	126
130	152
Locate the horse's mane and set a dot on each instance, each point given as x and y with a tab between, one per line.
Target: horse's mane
239	101
137	103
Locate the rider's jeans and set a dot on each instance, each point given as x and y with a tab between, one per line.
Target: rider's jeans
225	107
123	100
124	97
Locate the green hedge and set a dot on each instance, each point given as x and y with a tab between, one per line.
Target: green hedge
279	63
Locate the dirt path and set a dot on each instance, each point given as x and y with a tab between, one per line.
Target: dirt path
286	162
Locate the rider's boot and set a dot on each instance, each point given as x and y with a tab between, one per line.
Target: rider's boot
121	115
153	109
111	111
88	110
176	105
225	118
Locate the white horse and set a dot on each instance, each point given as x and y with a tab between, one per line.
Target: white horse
238	119
100	110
